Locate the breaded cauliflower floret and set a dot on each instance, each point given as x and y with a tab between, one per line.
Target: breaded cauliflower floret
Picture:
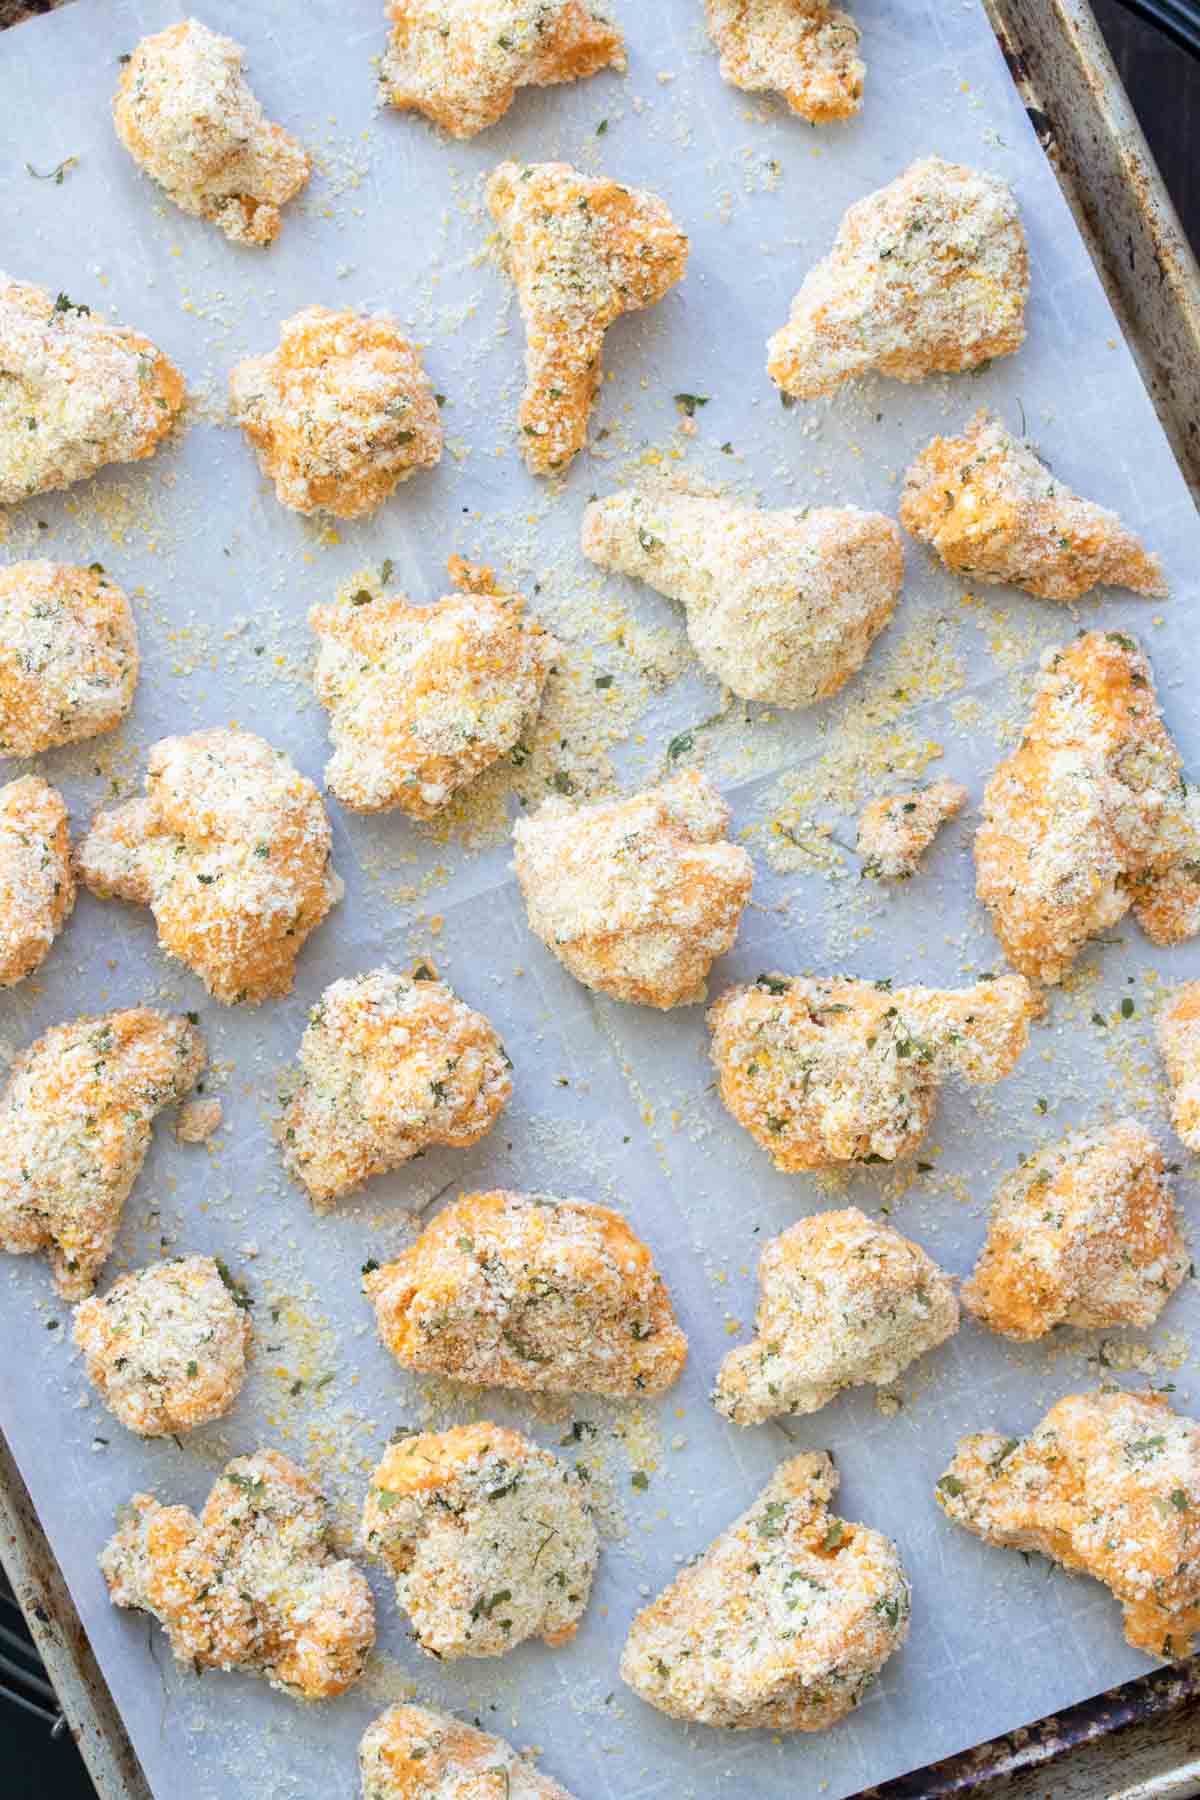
895	832
166	1346
230	851
252	1584
185	114
37	883
413	1753
637	898
843	1301
1090	815
68	655
581	251
843	1071
489	1538
389	1065
992	511
785	1621
460	62
340	414
75	1122
424	698
1179	1042
526	1291
781	606
77	392
805	50
927	275
1109	1483
1084	1233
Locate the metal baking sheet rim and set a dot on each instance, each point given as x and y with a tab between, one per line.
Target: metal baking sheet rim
1061	65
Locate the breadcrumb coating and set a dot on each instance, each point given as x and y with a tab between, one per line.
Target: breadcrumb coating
390	1064
528	1291
993	511
581	251
230	851
165	1348
68	655
781	606
252	1584
843	1301
927	275
489	1538
803	49
413	1753
198	1121
422	699
78	393
460	62
1108	1483
637	898
844	1071
1084	1233
785	1621
1179	1041
1090	815
895	832
185	114
340	414
75	1119
37	883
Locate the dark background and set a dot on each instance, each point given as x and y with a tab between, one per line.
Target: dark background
1164	84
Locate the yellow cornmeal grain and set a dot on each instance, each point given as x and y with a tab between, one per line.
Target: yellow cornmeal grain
37	882
805	50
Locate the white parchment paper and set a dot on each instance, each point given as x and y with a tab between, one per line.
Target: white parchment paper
611	1102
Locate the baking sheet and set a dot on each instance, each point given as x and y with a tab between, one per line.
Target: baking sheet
611	1102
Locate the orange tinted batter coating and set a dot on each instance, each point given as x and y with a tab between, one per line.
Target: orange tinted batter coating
1109	1483
461	64
993	512
37	883
68	655
1179	1042
1090	815
253	1584
526	1291
844	1071
414	1753
75	1123
581	251
803	49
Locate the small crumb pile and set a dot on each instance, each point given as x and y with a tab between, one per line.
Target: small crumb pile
68	655
1179	1042
895	832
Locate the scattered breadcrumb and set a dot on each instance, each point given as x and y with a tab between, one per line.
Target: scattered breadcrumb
805	50
68	655
895	832
198	1121
1179	1042
37	883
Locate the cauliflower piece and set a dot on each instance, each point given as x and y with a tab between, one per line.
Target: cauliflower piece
185	114
781	606
389	1065
581	251
1108	1483
527	1291
340	414
1090	815
637	898
803	49
1083	1233
75	1119
252	1584
994	512
78	393
68	656
928	275
198	1121
230	851
895	832
489	1538
460	62
843	1301
413	1753
166	1346
424	698
37	883
1179	1042
785	1621
844	1071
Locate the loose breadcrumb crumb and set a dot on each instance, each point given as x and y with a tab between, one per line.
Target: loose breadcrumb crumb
37	883
413	1753
805	50
68	655
895	832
